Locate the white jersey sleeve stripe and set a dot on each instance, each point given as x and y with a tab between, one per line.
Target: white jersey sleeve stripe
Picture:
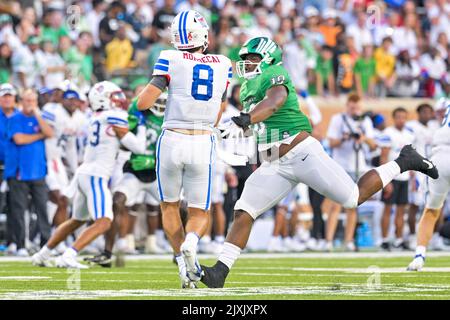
117	121
48	116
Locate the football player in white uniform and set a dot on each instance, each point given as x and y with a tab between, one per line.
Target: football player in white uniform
437	191
58	113
197	85
93	200
423	129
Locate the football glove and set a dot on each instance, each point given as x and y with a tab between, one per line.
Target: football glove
135	120
142	162
243	120
231	131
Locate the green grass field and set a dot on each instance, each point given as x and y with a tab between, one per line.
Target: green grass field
260	276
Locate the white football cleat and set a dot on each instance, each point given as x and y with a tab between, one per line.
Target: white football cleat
22	252
276	245
417	263
66	261
350	246
40	261
293	245
11	250
193	270
185	282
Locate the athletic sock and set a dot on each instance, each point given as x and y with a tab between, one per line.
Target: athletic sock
45	252
151	240
219	239
192	238
71	252
388	172
421	250
230	253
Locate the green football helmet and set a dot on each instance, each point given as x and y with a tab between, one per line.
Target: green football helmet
269	51
159	106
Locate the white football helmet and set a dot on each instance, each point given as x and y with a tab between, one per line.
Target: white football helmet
160	105
189	30
106	95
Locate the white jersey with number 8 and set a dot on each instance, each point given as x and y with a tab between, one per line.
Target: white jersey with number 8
197	83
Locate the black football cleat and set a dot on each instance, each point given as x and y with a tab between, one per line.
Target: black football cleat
410	159
214	277
101	259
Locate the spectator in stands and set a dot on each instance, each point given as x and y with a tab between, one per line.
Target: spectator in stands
26	132
405	37
407	73
79	60
163	18
27	26
329	28
365	72
295	59
261	28
119	52
53	26
312	27
359	31
51	65
433	70
110	23
443	45
94	17
24	62
7	34
5	63
324	72
395	193
384	68
350	135
345	58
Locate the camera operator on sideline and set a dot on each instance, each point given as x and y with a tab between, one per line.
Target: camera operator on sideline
350	135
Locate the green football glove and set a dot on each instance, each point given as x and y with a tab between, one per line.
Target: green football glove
142	162
132	122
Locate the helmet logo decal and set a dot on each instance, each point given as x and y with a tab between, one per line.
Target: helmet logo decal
190	36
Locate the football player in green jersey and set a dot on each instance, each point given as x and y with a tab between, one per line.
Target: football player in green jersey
139	179
289	153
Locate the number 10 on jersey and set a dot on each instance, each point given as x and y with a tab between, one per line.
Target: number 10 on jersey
199	79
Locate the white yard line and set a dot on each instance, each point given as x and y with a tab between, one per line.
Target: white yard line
342	290
304	255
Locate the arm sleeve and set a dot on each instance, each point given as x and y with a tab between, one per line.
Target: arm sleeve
161	82
135	143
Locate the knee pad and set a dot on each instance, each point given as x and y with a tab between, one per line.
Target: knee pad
352	201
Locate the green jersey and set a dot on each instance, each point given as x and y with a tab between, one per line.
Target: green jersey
143	166
288	120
